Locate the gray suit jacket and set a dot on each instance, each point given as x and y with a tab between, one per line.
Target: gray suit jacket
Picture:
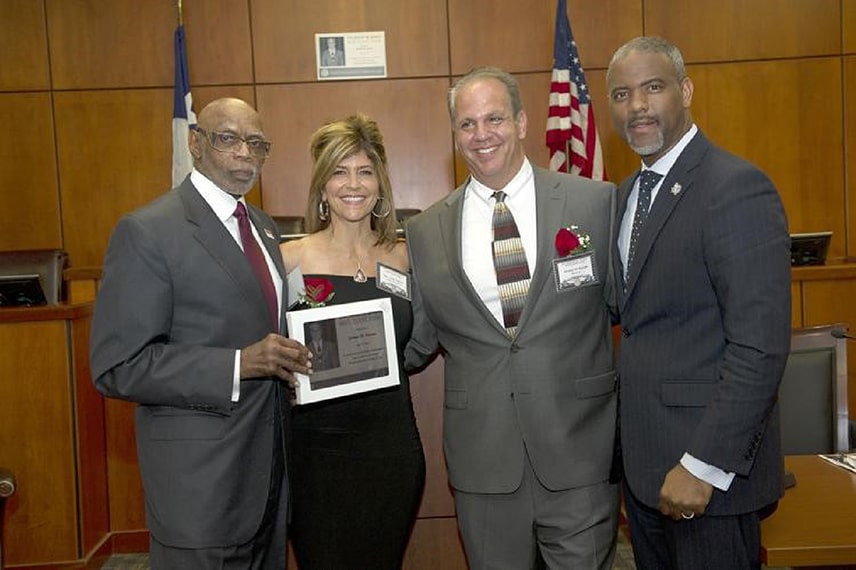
706	329
177	298
550	389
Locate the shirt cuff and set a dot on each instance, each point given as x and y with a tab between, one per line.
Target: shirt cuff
236	377
707	473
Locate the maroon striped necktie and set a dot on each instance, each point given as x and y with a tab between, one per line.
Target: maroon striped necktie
509	260
257	262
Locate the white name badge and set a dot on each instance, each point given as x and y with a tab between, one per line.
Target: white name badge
574	271
393	281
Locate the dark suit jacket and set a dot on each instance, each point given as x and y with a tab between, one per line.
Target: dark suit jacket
706	329
177	298
550	389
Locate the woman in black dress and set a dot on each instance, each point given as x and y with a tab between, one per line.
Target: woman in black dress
357	467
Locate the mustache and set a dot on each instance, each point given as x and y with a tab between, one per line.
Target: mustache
633	121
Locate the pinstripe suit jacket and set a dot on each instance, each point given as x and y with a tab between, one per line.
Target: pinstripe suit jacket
551	389
705	320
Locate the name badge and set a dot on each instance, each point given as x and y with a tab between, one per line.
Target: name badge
574	271
393	281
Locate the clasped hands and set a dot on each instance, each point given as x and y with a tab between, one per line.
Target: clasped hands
683	495
276	355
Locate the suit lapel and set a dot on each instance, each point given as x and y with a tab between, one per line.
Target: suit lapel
214	237
675	185
450	220
550	204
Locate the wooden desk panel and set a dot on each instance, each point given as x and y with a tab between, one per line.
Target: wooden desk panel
51	435
815	523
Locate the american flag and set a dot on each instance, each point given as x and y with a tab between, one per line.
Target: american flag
570	120
183	116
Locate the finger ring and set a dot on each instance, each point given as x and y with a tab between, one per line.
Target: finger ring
687	516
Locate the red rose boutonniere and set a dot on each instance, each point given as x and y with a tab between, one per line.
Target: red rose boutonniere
571	240
317	292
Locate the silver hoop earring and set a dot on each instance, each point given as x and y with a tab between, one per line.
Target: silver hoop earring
380	200
323	210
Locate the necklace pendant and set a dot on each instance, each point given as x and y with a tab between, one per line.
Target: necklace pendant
359	276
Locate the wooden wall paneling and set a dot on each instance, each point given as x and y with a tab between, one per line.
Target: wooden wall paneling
797	319
848	23
284	35
219	46
122	43
24	51
517	36
125	488
115	154
600	27
786	118
37	442
90	441
29	200
826	301
411	114
849	94
735	30
435	543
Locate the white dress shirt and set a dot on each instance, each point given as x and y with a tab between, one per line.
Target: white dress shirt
477	232
224	205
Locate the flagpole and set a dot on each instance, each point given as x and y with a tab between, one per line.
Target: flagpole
180	18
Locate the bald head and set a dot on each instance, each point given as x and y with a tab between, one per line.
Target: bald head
217	109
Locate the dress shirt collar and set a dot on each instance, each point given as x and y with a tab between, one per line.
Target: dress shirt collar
221	202
512	190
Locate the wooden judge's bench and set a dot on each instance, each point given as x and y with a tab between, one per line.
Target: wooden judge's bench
79	495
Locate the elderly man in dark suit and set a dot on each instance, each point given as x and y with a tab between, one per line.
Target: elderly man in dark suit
529	415
187	325
703	249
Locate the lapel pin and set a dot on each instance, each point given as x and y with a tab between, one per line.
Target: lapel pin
676	189
268	233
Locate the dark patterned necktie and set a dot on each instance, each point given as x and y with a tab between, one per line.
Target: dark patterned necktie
509	260
647	180
257	262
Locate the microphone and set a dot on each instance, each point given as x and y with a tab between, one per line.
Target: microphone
841	333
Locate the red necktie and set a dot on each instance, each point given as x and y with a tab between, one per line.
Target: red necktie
257	262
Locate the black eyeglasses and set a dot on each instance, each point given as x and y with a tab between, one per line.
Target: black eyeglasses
230	142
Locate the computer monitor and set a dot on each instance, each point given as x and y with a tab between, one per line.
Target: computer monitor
21	291
809	248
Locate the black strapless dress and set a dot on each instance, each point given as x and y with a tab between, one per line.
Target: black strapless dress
357	467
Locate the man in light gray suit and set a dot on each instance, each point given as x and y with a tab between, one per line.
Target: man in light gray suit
184	328
705	321
529	414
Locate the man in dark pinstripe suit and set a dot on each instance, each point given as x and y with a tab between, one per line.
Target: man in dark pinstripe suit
705	322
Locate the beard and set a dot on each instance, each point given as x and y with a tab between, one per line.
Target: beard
648	149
